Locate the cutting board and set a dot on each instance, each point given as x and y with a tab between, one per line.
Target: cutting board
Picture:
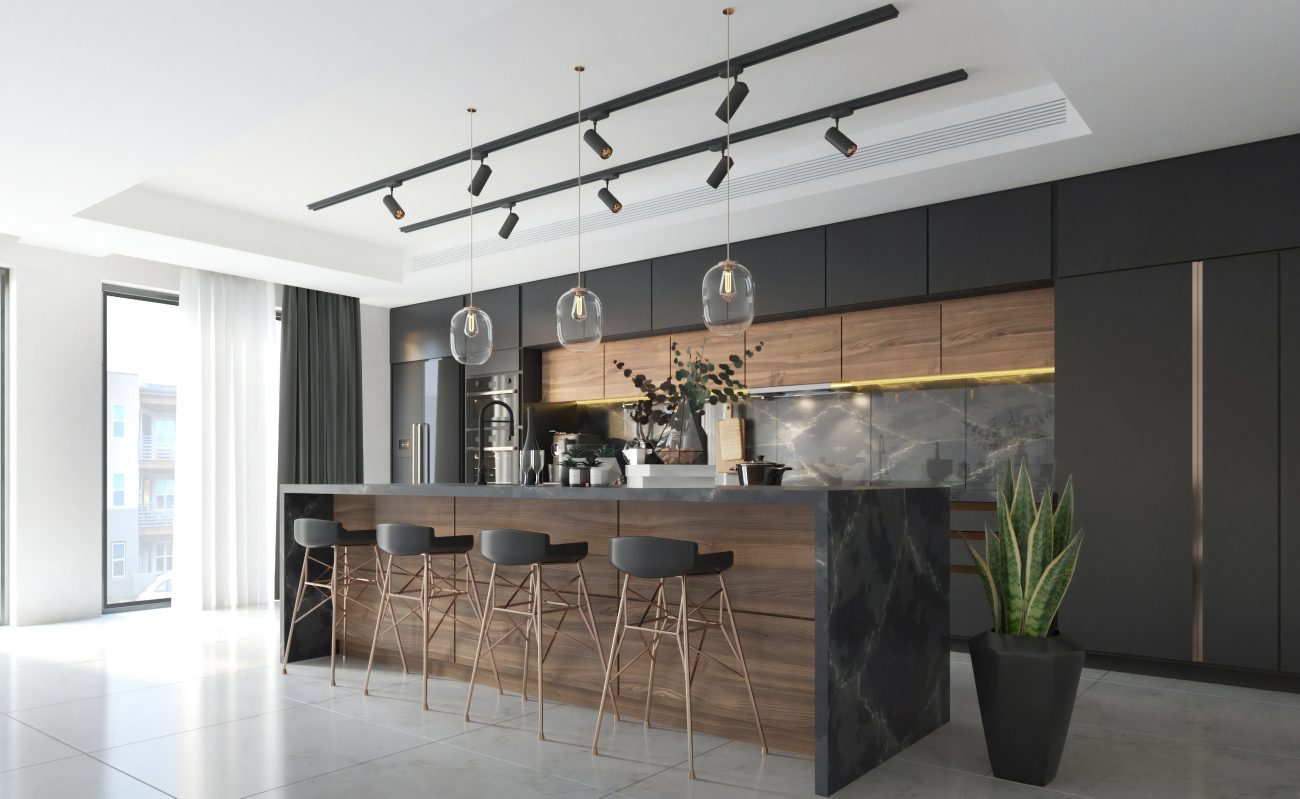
731	441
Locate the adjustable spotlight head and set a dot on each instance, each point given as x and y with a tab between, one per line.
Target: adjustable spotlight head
597	143
390	202
508	226
720	171
607	197
481	176
735	96
840	141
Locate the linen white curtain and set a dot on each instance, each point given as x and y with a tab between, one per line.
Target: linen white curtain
226	423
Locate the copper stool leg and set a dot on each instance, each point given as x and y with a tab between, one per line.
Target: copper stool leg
297	606
683	649
384	602
589	617
659	601
489	611
541	654
615	644
740	656
334	613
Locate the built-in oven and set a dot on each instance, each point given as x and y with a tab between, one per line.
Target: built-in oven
500	449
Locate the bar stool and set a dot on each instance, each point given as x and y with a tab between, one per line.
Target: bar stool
318	534
534	550
663	559
410	540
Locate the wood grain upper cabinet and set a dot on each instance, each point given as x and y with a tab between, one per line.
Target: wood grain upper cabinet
420	332
992	240
795	352
876	259
999	332
789	271
647	356
624	293
569	376
713	347
891	342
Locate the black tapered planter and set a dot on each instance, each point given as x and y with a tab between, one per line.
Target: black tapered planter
1026	689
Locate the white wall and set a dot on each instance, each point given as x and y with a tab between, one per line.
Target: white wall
56	420
376	402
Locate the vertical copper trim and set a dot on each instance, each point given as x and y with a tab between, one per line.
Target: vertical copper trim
1198	461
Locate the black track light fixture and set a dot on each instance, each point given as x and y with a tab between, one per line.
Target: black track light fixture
390	202
607	197
480	178
508	226
840	141
720	171
597	143
737	94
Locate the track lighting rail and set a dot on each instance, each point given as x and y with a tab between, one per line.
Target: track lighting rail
603	110
715	144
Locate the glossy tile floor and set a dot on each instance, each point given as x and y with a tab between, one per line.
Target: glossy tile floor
158	703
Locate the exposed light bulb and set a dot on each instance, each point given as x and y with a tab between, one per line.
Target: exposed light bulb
727	290
579	307
471	324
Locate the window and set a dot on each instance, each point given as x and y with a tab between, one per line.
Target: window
164	433
164	494
117	563
162	556
119	490
119	421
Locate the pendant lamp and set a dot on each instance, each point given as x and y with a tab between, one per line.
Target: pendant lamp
471	327
728	288
579	319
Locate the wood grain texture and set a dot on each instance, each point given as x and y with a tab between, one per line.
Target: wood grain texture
795	352
891	342
730	432
773	545
714	348
649	356
998	332
568	376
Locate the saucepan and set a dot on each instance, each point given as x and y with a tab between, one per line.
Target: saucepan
761	472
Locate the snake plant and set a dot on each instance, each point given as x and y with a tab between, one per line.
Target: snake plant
1028	563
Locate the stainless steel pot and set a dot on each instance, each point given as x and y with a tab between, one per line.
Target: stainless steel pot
761	472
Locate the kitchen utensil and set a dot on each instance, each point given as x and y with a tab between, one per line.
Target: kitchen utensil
761	472
731	440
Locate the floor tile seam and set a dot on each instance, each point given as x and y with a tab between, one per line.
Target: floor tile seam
75	753
1192	741
393	728
368	761
1205	695
660	770
723	741
185	731
990	776
130	776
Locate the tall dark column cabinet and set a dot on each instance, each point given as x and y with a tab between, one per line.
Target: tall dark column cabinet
1288	562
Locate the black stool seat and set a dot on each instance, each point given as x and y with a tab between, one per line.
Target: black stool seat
506	547
312	533
656	558
417	539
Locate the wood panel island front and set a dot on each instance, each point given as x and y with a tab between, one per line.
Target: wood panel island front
840	598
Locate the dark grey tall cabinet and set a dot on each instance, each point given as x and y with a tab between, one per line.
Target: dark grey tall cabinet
1288	562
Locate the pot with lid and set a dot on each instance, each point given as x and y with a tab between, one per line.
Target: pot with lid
761	472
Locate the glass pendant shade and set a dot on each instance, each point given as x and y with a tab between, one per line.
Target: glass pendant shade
471	336
579	320
728	294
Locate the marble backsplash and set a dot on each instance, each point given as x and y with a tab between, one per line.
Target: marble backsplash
961	437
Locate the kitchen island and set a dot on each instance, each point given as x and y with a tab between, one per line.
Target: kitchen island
840	594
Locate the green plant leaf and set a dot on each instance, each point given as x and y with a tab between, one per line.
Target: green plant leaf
681	374
1039	546
735	360
993	553
1050	590
1010	560
1063	519
1022	509
986	576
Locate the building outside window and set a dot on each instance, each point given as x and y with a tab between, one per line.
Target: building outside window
119	421
117	562
162	556
119	490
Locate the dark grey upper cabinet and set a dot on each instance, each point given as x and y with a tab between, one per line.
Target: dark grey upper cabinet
537	301
624	293
789	271
1123	430
1289	478
992	240
422	331
876	259
502	306
1240	495
675	293
1224	202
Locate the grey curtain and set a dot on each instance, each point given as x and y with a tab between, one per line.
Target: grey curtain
320	388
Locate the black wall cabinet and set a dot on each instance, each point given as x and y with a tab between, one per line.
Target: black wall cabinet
625	296
1289	549
789	271
876	259
537	320
1123	429
676	300
991	240
502	306
1225	202
1240	584
422	331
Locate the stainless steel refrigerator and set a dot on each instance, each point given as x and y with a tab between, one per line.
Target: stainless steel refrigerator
429	392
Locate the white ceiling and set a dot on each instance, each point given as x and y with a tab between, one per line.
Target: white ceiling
196	133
